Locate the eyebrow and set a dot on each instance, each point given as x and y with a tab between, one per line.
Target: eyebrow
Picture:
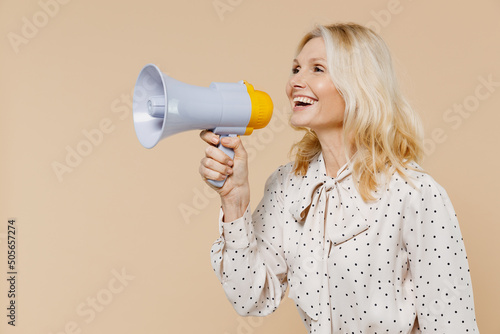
312	60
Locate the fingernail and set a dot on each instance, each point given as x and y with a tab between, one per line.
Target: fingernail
230	163
215	140
229	171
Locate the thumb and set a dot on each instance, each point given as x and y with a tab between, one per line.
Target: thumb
236	144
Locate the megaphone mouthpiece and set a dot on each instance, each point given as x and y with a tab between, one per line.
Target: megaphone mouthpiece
262	109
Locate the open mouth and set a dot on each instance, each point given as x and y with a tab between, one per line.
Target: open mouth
302	101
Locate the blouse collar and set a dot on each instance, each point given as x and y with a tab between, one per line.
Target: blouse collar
316	177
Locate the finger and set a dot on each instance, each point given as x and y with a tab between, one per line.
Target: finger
210	174
216	166
209	137
214	153
236	144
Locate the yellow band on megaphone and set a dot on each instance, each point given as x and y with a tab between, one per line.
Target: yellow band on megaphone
262	109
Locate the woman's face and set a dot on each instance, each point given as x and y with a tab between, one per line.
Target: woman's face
315	101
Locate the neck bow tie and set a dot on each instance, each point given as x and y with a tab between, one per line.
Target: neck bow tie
327	214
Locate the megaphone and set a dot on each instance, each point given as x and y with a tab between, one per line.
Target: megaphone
163	106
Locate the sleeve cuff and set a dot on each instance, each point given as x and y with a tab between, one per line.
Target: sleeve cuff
237	233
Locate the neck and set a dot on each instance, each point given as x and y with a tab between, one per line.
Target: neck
332	147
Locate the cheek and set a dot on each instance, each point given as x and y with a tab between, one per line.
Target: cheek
325	89
288	89
330	95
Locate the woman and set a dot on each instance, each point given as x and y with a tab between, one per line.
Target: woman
366	240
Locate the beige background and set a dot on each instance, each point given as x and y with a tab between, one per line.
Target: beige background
147	212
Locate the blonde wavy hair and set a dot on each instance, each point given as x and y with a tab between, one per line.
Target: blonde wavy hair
382	129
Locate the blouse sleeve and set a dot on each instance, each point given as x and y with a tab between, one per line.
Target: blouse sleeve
438	264
248	257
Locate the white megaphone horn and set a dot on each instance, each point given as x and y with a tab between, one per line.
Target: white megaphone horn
163	106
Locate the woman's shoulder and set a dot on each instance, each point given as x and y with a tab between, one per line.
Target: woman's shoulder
282	173
415	178
284	177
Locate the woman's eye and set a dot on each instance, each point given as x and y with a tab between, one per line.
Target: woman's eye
318	69
295	70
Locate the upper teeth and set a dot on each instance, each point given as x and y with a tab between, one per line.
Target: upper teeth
303	100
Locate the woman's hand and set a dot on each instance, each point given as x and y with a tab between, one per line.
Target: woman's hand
216	165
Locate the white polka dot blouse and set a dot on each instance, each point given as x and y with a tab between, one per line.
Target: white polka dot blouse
394	265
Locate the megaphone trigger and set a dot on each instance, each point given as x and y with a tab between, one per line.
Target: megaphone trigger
230	152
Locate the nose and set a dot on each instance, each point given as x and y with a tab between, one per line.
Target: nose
296	81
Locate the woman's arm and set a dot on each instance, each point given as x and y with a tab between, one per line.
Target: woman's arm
248	257
438	264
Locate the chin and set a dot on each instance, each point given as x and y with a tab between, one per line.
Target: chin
300	123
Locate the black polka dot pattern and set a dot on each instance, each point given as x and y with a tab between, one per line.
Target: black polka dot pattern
395	265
